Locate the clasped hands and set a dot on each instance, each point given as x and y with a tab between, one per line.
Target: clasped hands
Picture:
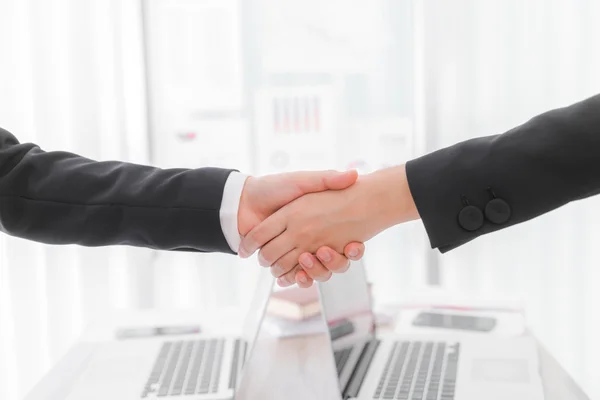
308	225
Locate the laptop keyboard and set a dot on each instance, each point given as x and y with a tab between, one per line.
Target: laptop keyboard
235	362
185	368
341	358
419	371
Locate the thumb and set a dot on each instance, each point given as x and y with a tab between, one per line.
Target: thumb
318	181
340	180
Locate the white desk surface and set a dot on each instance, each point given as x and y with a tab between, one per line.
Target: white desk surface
283	368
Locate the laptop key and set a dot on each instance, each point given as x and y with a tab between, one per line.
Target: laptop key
173	360
419	371
192	381
217	368
182	368
206	373
186	368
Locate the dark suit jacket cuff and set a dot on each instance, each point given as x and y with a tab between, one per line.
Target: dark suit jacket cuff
532	169
438	182
201	197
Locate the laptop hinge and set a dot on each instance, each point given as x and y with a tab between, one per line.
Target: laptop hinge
361	369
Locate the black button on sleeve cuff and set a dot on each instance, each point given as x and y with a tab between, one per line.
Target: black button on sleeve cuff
497	211
470	218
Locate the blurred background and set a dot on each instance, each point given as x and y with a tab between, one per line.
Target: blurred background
265	86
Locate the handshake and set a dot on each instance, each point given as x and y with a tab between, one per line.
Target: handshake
308	225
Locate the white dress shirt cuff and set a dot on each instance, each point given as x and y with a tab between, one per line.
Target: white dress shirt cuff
228	214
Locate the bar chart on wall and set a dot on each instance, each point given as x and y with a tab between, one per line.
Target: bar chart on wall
295	128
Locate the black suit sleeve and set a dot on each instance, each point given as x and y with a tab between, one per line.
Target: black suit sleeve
547	162
62	198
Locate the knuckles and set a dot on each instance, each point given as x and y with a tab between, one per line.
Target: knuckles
307	236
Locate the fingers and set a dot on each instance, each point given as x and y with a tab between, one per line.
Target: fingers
316	269
276	249
284	264
331	260
290	278
310	269
296	275
313	268
303	280
354	251
262	234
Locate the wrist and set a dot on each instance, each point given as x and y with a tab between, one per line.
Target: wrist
393	202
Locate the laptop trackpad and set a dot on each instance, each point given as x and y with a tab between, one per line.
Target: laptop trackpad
497	378
500	371
111	378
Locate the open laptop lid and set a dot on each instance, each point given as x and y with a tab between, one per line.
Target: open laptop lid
347	311
254	318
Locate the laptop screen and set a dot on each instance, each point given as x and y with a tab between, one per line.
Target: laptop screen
346	305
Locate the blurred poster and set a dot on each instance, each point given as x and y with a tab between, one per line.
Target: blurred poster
316	36
370	144
204	143
194	54
295	129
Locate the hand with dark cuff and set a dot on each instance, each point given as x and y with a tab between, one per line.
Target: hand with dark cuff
460	192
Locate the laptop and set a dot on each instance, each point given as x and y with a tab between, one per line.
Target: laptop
191	367
369	365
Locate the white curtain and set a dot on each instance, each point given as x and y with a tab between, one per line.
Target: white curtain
71	78
486	67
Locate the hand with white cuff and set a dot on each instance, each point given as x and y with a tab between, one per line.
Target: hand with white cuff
289	237
263	196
